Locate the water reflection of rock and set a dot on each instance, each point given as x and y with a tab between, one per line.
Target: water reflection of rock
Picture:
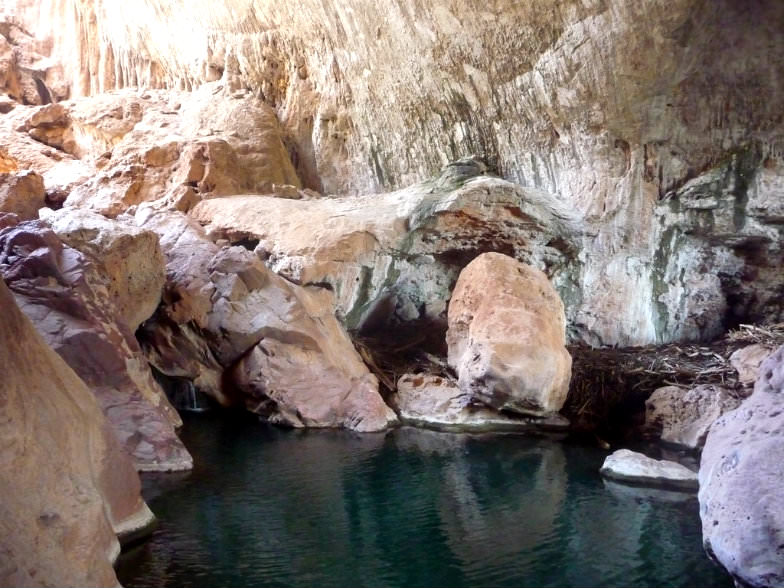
515	483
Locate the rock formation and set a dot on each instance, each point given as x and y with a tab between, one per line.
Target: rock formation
637	117
439	403
506	337
635	468
227	318
740	483
68	488
77	301
684	417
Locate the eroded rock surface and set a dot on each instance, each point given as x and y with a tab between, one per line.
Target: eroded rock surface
67	296
748	360
635	468
226	315
67	485
740	483
390	259
507	338
684	417
22	194
438	402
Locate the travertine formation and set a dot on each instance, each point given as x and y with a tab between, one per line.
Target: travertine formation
740	483
636	116
67	485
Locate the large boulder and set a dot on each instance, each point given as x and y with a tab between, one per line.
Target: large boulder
66	296
438	402
631	467
22	193
227	318
68	488
506	337
684	417
741	494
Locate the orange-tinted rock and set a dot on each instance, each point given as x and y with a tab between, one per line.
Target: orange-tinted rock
67	486
64	295
506	336
22	193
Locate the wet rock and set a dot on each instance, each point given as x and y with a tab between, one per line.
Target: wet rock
22	193
66	297
506	337
227	318
68	487
684	417
437	402
635	468
747	362
740	483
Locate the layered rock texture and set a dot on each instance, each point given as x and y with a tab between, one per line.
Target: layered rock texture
68	487
740	483
637	117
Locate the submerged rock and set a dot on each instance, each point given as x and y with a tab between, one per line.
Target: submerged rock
635	468
438	402
741	473
506	337
684	417
227	318
67	297
68	487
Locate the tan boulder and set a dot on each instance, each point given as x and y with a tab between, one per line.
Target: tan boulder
684	417
506	337
226	313
65	295
130	259
747	362
22	193
67	486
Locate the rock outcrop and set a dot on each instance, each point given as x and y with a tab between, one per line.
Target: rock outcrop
667	146
438	402
22	194
68	296
684	417
740	483
228	319
506	337
392	259
68	488
631	467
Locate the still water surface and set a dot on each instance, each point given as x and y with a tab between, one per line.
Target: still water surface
272	507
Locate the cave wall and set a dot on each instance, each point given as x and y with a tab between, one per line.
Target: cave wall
613	107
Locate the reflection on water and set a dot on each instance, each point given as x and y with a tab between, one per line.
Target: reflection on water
270	507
